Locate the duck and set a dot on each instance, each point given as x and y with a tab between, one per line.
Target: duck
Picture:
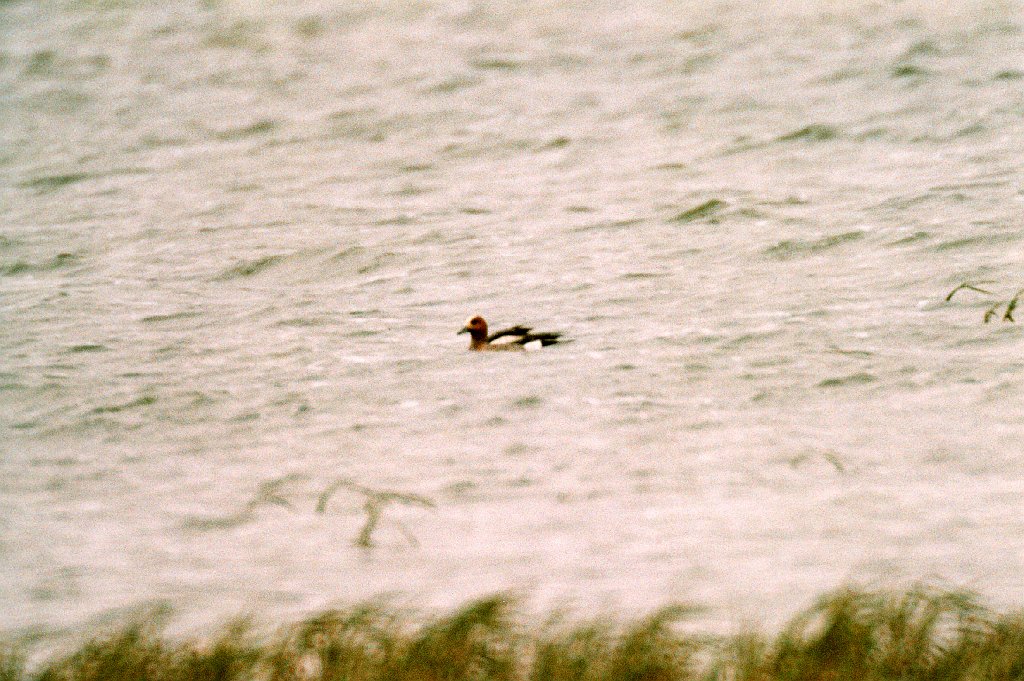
514	338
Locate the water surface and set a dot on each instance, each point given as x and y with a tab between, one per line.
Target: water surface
238	239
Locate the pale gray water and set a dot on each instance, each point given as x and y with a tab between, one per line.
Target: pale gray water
238	239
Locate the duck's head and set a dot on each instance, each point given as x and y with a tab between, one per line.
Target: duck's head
475	327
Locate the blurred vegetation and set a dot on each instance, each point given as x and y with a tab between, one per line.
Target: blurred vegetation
917	635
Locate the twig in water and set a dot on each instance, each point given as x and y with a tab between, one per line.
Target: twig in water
969	286
269	492
1011	306
376	501
991	312
833	459
325	496
828	455
407	534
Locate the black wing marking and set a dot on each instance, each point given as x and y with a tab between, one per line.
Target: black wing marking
524	335
518	330
545	338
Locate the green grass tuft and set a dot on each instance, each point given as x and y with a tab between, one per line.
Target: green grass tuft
136	653
850	635
12	664
477	642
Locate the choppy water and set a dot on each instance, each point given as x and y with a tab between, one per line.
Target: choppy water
238	239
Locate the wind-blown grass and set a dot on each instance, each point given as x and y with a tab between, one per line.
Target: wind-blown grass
855	635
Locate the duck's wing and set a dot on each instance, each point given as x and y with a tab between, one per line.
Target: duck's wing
545	338
524	335
519	331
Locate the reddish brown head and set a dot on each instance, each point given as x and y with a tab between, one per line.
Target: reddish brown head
477	329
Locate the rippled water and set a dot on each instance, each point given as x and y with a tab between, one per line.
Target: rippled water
238	239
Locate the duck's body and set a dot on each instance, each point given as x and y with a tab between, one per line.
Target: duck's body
514	338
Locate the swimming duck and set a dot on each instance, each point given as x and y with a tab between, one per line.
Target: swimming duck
512	338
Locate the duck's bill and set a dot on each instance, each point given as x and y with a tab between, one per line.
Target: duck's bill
463	330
